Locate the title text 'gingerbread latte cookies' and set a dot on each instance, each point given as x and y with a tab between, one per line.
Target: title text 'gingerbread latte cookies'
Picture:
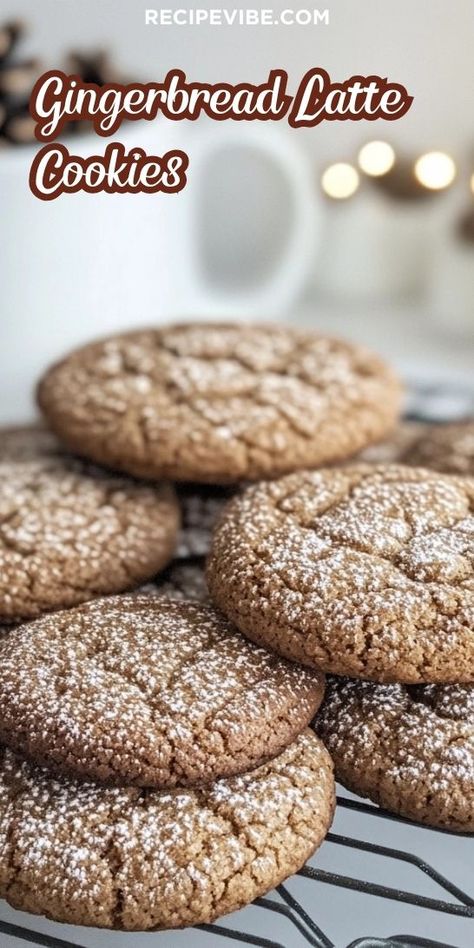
219	403
410	749
148	691
365	571
134	860
70	531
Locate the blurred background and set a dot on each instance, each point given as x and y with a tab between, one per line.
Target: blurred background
362	229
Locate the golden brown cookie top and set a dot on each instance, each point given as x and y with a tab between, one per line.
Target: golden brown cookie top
448	448
363	570
219	403
135	860
148	691
409	748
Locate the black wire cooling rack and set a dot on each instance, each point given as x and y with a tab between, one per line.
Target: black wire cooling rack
283	906
330	889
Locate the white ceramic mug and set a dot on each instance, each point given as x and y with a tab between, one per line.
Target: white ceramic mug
85	265
375	249
451	298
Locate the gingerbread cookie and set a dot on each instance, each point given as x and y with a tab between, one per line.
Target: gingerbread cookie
134	860
148	691
410	749
364	571
70	531
219	403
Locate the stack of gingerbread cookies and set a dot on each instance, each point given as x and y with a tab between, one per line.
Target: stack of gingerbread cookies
162	758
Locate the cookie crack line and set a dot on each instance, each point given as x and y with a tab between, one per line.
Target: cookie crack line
292	565
148	387
370	635
298	349
147	860
78	533
127	690
352	547
399	752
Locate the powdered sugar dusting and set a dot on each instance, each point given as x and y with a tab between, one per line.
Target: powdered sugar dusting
362	570
409	748
222	402
149	691
137	859
69	531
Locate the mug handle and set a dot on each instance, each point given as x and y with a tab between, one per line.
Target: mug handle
290	272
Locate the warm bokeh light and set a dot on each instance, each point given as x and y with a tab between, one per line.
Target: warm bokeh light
435	170
471	183
340	181
376	158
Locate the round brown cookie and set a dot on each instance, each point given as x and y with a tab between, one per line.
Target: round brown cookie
70	531
364	571
219	403
448	448
135	860
408	748
148	691
201	505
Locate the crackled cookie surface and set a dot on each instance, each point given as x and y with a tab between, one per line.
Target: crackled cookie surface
408	748
69	531
365	571
219	403
149	691
135	860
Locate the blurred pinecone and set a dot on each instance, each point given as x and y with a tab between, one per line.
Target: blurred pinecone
17	78
400	183
18	75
